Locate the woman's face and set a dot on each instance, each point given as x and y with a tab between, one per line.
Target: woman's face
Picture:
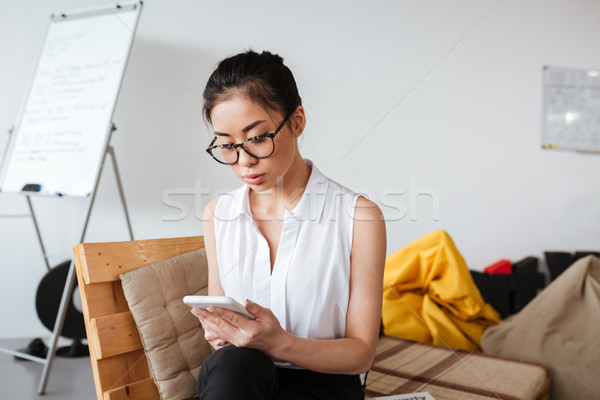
237	119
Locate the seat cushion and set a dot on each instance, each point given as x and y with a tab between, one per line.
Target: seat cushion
405	366
172	337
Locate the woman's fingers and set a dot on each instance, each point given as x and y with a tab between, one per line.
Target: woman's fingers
234	318
215	341
211	325
217	327
218	344
223	327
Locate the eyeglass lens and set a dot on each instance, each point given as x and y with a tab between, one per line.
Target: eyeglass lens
259	147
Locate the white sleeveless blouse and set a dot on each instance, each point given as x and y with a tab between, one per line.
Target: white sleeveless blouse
308	290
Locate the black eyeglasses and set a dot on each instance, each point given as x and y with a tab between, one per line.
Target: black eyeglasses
261	146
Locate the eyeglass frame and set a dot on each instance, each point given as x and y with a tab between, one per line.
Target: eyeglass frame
236	146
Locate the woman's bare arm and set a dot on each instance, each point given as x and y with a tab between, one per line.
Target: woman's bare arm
214	281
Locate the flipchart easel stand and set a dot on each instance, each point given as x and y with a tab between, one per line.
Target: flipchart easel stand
70	281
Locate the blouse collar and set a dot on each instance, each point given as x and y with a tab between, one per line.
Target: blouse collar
310	206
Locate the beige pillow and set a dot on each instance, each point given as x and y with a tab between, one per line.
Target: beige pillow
559	329
173	338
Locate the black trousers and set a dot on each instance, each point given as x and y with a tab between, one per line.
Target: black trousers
233	373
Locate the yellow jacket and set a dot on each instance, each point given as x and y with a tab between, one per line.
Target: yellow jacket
429	295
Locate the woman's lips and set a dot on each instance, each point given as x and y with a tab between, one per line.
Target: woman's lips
254	179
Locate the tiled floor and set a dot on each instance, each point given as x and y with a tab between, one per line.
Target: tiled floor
70	378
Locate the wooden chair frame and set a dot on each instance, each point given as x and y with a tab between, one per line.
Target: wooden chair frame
119	364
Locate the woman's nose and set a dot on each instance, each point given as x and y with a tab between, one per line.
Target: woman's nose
245	159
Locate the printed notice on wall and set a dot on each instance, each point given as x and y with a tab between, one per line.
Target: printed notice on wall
571	109
409	396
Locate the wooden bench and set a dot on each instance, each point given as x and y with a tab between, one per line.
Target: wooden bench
120	367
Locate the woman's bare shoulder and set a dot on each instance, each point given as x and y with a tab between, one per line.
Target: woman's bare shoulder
366	210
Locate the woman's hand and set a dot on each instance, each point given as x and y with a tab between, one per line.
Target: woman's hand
211	338
224	327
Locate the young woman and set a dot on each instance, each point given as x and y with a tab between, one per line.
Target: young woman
304	253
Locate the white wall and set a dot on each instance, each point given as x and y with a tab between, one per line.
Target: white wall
402	96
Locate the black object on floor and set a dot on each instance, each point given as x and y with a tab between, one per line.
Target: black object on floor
48	298
580	254
558	261
526	280
509	293
495	289
35	348
76	349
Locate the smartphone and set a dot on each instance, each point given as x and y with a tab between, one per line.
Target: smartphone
217	301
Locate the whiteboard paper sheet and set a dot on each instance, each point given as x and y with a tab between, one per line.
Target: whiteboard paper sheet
65	122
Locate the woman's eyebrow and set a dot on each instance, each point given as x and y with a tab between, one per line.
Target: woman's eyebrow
246	129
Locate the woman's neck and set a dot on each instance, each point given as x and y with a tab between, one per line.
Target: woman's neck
285	195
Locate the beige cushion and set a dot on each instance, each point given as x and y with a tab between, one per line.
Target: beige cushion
404	366
559	329
173	338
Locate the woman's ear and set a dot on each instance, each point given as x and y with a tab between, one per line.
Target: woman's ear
298	121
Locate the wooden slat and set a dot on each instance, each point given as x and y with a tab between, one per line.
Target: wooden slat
86	317
108	299
114	334
141	390
104	262
121	370
137	365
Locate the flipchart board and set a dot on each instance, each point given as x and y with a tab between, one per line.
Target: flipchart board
571	109
58	143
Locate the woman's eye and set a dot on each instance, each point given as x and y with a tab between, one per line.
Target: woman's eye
227	147
258	140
